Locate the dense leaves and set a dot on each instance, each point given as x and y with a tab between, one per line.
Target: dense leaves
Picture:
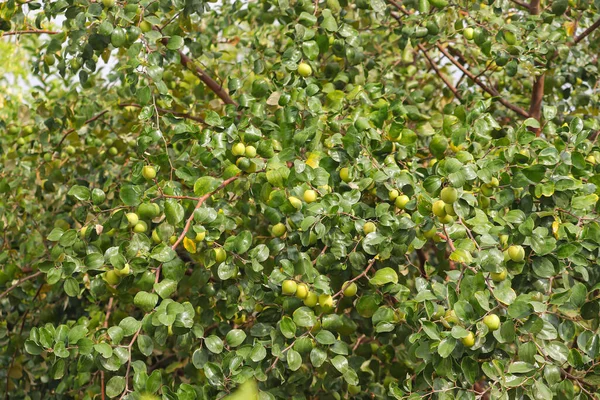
299	199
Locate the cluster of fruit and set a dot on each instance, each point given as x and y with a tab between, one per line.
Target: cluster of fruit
311	299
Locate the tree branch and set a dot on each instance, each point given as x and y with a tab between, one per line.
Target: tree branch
521	3
487	89
19	282
208	81
439	73
588	31
165	111
67	133
357	277
537	95
534	7
29	31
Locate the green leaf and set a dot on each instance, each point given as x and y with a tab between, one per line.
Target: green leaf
384	276
446	346
165	288
163	253
294	359
146	301
235	337
115	386
81	193
304	317
175	43
214	344
205	184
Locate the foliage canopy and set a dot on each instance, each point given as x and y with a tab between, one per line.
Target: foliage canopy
299	199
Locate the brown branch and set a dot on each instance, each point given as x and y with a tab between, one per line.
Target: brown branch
439	73
67	133
29	31
165	111
19	282
489	90
348	283
587	31
188	63
534	7
129	349
537	95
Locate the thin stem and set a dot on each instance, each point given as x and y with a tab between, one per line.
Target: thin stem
587	32
67	133
19	282
30	32
439	73
364	273
165	111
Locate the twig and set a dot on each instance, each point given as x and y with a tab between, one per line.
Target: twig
348	283
67	133
588	31
19	282
520	3
439	73
165	111
129	347
29	31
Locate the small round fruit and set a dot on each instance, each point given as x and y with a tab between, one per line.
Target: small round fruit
499	276
310	196
108	3
113	151
132	218
145	26
369	227
494	182
49	59
220	255
304	69
295	202
140	227
172	239
345	175
449	195
200	236
70	150
278	230
446	219
393	195
20	141
155	237
250	151
149	172
111	277
430	234
98	195
401	201
449	208
469	340
326	301
289	287
439	209
516	253
468	33
487	190
350	289
302	291
238	149
311	299
492	321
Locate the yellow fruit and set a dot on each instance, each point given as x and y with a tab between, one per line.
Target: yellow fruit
250	151
468	33
149	172
369	227
516	253
469	340
140	227
289	287
302	291
326	301
449	208
350	289
401	201
345	175
111	277
439	209
449	195
173	239
304	70
446	220
155	236
278	230
238	149
132	218
310	196
393	195
492	321
220	255
430	233
123	271
311	299
499	276
200	236
295	202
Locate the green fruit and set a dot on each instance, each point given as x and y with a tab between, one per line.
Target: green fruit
49	59
439	209
108	3
401	201
499	276
140	227
98	196
220	255
326	301
149	172
310	196
250	151
345	175
155	237
430	234
70	150
145	26
111	277
439	3
447	219
468	33
486	190
449	195
516	253
311	299
393	195
302	291
492	321
295	202
20	141
126	270
289	287
113	151
468	340
172	239
369	227
238	149
449	208
200	236
132	218
118	37
510	38
148	210
278	230
438	146
350	289
304	70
